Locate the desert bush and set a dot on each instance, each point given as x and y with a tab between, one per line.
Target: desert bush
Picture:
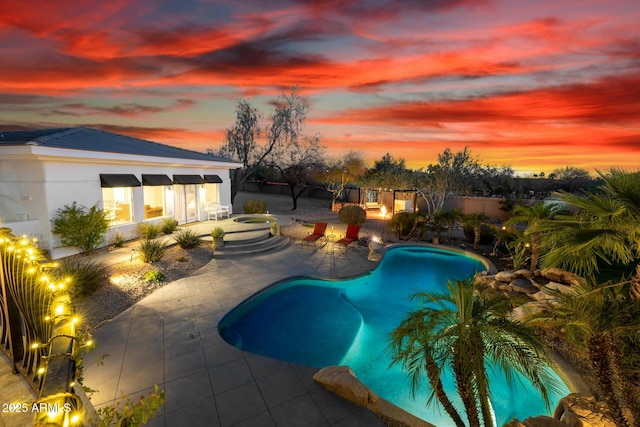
402	223
352	215
186	238
151	250
83	276
255	207
81	227
117	239
148	230
154	276
168	225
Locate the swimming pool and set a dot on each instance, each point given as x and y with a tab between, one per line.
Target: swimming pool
323	323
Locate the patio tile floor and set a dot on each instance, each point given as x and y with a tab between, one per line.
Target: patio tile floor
170	339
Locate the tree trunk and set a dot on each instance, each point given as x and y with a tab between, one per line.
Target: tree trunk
634	286
466	393
535	252
600	356
433	373
476	237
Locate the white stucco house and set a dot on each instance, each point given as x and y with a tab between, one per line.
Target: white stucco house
135	180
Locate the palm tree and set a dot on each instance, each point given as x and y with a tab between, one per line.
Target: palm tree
606	228
476	221
533	216
599	319
460	330
451	217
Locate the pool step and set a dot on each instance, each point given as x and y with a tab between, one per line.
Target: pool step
252	246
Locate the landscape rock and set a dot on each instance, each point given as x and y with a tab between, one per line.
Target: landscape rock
505	276
562	276
579	410
542	421
485	280
342	381
527	274
519	313
523	285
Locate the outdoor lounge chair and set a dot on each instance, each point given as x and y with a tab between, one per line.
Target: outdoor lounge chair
317	234
215	210
350	237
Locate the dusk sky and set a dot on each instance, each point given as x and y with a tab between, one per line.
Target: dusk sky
531	84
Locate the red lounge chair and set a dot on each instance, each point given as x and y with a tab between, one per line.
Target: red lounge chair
350	237
317	234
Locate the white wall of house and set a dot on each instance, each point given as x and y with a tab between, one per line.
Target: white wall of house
37	181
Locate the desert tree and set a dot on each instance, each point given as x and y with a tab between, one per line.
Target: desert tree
296	156
241	144
453	172
341	171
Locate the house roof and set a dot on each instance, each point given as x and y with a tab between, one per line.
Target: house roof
82	138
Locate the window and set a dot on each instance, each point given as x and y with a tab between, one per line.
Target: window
118	202
154	188
153	201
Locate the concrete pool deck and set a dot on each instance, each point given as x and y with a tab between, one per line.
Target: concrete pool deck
170	338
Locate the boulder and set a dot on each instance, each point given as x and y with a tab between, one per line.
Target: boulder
505	276
342	381
520	312
542	421
524	286
562	276
540	280
527	274
542	296
501	286
579	410
485	280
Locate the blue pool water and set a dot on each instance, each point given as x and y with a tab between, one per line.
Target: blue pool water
324	323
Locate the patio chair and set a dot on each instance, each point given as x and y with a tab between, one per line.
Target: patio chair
215	210
317	234
350	236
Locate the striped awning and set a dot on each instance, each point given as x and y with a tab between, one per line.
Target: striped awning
111	180
156	180
187	179
212	179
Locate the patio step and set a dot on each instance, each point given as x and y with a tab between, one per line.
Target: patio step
252	246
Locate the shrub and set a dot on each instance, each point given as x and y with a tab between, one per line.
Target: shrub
117	239
84	276
352	215
168	225
148	230
255	207
81	227
151	250
402	224
154	276
186	238
217	232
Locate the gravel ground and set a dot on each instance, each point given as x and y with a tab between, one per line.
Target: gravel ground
130	286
